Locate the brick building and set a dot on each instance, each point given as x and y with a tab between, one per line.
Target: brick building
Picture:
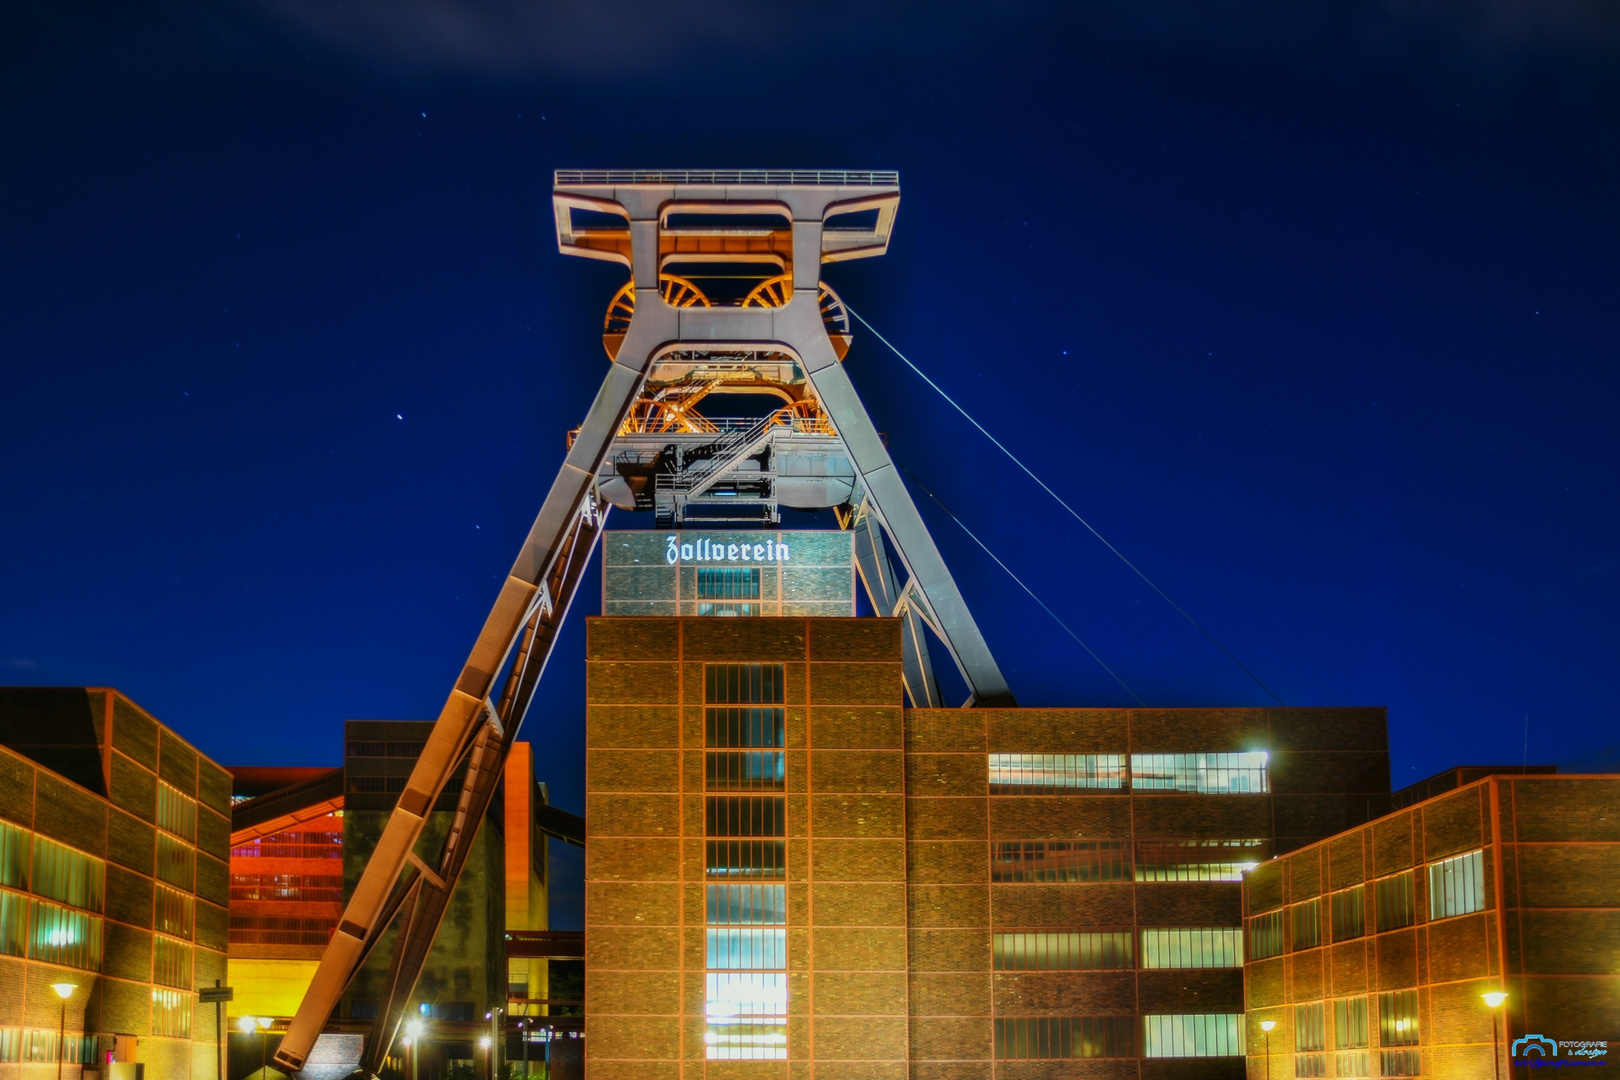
113	839
1370	950
790	874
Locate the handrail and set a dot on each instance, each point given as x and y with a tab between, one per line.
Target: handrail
775	177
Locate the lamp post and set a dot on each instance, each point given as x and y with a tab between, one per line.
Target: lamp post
1494	999
247	1025
413	1031
1266	1026
489	1055
64	990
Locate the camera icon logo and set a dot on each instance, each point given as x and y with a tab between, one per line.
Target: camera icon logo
1538	1043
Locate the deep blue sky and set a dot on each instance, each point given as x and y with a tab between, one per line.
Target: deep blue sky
1310	308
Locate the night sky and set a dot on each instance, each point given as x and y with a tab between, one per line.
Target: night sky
1311	309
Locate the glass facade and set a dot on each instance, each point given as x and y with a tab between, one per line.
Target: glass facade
1192	1035
1055	774
1060	860
745	984
1395	906
1197	860
1349	920
1205	774
1062	951
72	877
1202	947
1266	935
1457	886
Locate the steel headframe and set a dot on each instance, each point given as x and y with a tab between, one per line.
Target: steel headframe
477	729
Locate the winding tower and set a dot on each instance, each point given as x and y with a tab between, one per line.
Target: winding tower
724	304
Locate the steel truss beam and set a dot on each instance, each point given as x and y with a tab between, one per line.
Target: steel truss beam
399	887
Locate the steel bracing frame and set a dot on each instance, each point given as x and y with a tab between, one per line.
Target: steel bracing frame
476	728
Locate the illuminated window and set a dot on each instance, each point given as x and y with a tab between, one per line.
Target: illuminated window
1213	774
1398	1019
1193	1035
1266	935
1205	947
1046	1037
743	684
1399	1063
13	924
1350	1023
171	1013
728	590
176	911
1059	860
176	812
746	1015
745	815
311	844
171	962
746	858
746	948
1055	774
1395	907
316	888
1309	1031
17	1044
1306	922
1457	886
176	862
276	930
1061	951
59	935
1348	915
746	905
1197	860
1352	1063
745	770
67	875
16	850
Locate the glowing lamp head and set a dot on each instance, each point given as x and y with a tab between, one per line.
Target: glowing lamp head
1267	1025
64	990
484	1042
262	1021
1494	998
413	1028
246	1025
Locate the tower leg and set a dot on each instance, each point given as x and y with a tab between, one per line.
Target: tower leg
872	562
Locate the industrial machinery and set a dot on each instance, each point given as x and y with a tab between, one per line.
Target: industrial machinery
725	400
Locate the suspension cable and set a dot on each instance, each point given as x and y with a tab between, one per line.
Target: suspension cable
1059	499
1019	581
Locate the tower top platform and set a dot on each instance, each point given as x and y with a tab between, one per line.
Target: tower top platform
566	178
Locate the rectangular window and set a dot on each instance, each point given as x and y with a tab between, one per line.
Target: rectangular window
1055	774
176	862
274	930
59	935
1193	1035
16	851
743	684
1266	935
171	963
1197	860
1395	905
746	1014
176	911
39	1045
743	770
171	1013
737	948
13	924
1457	886
1309	1031
1352	1063
1348	915
310	888
1310	1065
743	727
1398	1019
67	875
1059	860
1061	951
1350	1023
746	905
1033	1038
746	858
1204	947
1399	1063
728	590
745	815
176	812
1206	774
1305	921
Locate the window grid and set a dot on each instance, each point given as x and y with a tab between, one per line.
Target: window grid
1349	914
16	851
1398	1019
1350	1023
746	905
175	912
72	877
1055	774
743	684
1399	1063
1396	907
1208	774
1309	1031
171	1013
1181	1035
1305	924
1310	1064
1193	947
1352	1063
745	815
1059	860
171	962
1032	1038
276	930
176	862
746	858
176	812
1061	951
1197	860
746	1015
36	1045
743	727
1457	886
743	770
310	888
63	936
1266	935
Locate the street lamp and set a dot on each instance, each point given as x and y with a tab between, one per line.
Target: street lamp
489	1056
64	990
413	1032
1494	999
1266	1026
247	1025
